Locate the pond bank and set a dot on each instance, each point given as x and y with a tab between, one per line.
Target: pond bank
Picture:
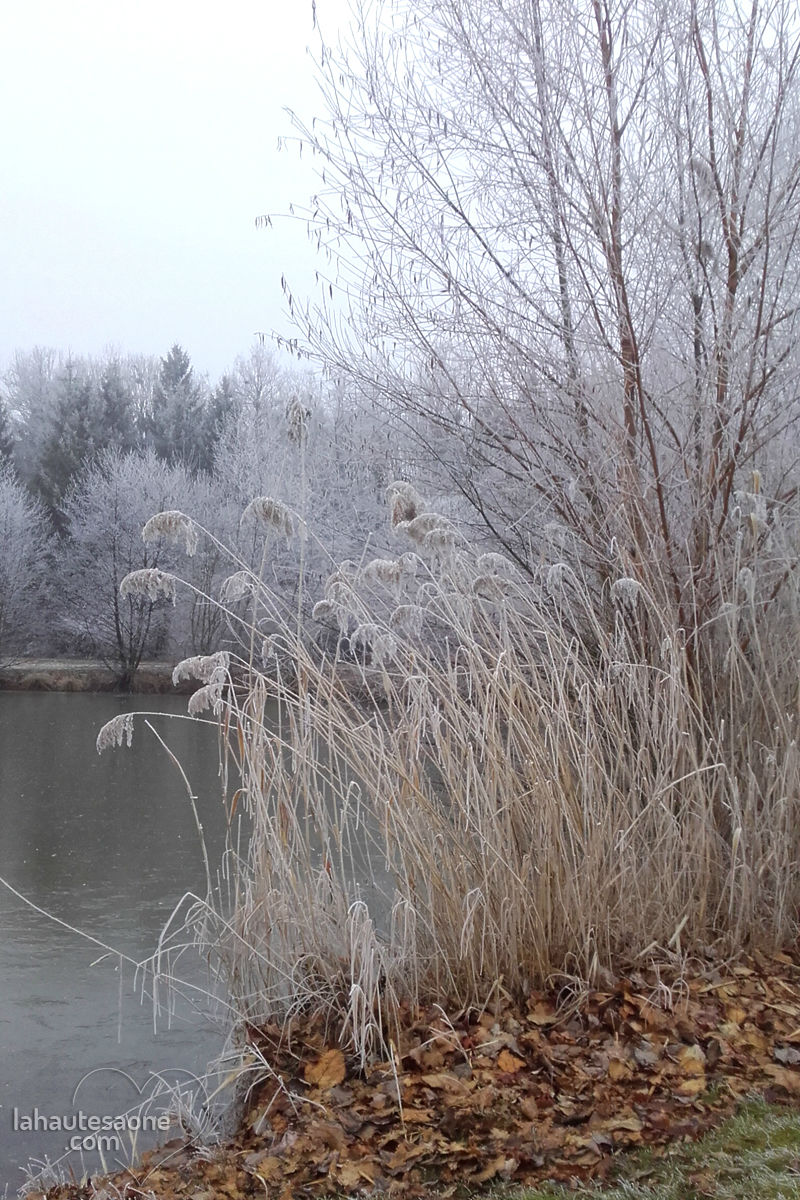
516	1094
84	675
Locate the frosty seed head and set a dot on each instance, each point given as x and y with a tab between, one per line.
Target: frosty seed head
339	591
173	526
408	619
626	591
208	668
404	502
410	564
745	582
149	582
441	541
297	418
272	513
204	698
328	612
323	610
490	587
496	564
237	587
371	637
556	534
115	731
420	526
557	576
383	570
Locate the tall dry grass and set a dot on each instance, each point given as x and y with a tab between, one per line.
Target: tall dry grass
495	779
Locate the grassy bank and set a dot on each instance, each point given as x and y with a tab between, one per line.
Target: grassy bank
81	675
753	1156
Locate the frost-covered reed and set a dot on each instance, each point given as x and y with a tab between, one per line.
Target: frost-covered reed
530	777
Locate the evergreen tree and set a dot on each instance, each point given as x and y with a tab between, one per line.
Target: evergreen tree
177	425
74	436
220	408
118	426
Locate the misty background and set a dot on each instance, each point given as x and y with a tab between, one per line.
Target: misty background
139	145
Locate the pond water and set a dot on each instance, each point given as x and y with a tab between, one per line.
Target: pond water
109	846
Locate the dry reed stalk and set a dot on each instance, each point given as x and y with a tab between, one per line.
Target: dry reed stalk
535	778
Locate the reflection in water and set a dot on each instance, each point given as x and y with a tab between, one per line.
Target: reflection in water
110	846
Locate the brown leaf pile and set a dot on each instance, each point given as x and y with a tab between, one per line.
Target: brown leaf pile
516	1093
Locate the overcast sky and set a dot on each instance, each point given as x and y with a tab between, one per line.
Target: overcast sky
138	143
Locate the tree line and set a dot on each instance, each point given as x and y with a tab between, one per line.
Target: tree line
562	291
90	449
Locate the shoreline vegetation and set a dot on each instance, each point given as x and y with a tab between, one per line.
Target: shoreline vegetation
86	675
521	997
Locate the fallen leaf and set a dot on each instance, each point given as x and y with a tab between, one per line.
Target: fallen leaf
618	1070
646	1054
448	1083
692	1086
692	1060
328	1071
509	1062
626	1121
492	1168
350	1175
789	1080
417	1116
268	1168
541	1014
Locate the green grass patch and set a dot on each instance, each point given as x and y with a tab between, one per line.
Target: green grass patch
753	1156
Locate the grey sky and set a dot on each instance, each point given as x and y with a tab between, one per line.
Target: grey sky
138	144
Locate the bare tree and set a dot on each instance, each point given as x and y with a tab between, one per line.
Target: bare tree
565	235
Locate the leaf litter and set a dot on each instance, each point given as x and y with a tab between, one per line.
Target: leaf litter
519	1092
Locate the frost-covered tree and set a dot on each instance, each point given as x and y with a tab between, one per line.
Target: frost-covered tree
6	434
116	411
103	514
24	563
68	410
31	394
204	630
566	236
74	435
182	424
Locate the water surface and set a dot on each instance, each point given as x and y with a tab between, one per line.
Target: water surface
108	845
